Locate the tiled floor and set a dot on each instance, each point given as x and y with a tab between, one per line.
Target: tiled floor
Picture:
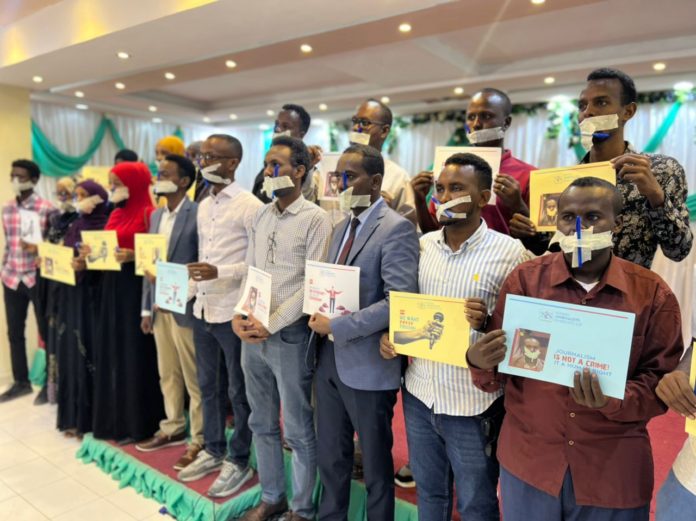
41	479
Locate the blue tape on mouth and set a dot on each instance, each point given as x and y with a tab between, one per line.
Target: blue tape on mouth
344	176
601	135
578	231
275	170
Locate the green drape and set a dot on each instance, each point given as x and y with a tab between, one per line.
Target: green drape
663	130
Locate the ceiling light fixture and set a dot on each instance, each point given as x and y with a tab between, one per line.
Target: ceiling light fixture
659	66
306	48
157	120
37	79
119	85
81	106
123	55
230	64
683	86
169	75
323	106
79	94
385	99
206	119
538	2
270	113
549	80
405	28
152	108
233	117
459	91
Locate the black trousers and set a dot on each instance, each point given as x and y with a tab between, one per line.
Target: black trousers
16	309
342	411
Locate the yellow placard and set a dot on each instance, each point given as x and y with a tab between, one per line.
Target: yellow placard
56	263
691	424
149	249
100	174
434	328
546	186
103	245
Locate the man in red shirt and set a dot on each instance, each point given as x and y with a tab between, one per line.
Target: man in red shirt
488	116
573	453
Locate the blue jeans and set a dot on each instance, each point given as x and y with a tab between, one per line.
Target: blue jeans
279	373
674	502
522	502
444	449
218	360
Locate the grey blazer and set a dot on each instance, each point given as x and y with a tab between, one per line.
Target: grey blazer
182	249
387	252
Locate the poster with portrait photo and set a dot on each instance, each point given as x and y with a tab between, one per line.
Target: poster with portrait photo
529	349
548	209
256	297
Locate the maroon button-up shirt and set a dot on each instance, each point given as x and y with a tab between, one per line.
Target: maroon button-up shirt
545	432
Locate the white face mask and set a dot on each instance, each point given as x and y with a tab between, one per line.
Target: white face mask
347	201
208	175
532	355
119	194
585	245
66	206
164	187
443	210
591	128
281	134
88	204
19	187
486	135
273	184
359	138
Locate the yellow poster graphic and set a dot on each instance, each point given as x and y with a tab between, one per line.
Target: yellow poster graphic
434	328
691	424
149	248
547	185
100	174
56	263
103	245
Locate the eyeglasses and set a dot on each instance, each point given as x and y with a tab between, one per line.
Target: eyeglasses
213	157
364	122
270	254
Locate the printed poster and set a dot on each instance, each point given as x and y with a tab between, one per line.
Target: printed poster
546	186
150	248
103	246
331	289
550	341
171	289
691	424
56	263
256	297
329	184
490	155
30	227
434	328
100	174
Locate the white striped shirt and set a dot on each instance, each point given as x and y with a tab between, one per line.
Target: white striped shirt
477	269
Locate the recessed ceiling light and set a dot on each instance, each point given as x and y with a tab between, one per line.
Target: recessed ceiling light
230	64
405	28
123	55
263	126
683	85
659	66
169	75
157	120
206	119
549	80
81	106
323	106
152	108
270	112
385	99
79	94
306	48
119	85
538	2
37	79
233	117
459	91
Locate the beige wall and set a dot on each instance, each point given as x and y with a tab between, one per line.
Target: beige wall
15	143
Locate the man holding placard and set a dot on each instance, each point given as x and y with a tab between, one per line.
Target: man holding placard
465	259
356	388
277	363
26	211
176	353
652	186
555	437
224	224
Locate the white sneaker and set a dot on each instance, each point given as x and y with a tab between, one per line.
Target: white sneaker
232	477
204	464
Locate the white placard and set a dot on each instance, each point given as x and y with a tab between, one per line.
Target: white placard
30	227
331	289
256	297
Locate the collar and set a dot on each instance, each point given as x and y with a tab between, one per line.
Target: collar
293	209
628	150
471	242
178	207
613	276
26	203
229	191
366	213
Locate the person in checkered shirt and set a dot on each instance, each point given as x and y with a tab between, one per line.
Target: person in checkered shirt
19	272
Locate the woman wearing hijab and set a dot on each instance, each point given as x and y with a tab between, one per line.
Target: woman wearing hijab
79	315
127	399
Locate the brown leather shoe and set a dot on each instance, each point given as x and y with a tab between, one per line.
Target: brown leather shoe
292	516
265	511
160	441
188	457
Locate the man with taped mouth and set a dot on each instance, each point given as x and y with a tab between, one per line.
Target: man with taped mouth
652	186
587	456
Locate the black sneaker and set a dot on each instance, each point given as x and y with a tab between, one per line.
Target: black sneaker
15	391
404	478
42	397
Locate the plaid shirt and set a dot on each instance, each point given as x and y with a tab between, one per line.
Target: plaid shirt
17	265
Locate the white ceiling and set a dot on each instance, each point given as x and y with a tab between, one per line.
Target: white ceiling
358	52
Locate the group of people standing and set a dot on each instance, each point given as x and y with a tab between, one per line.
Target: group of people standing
558	453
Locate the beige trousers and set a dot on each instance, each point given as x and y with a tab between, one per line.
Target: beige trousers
176	361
